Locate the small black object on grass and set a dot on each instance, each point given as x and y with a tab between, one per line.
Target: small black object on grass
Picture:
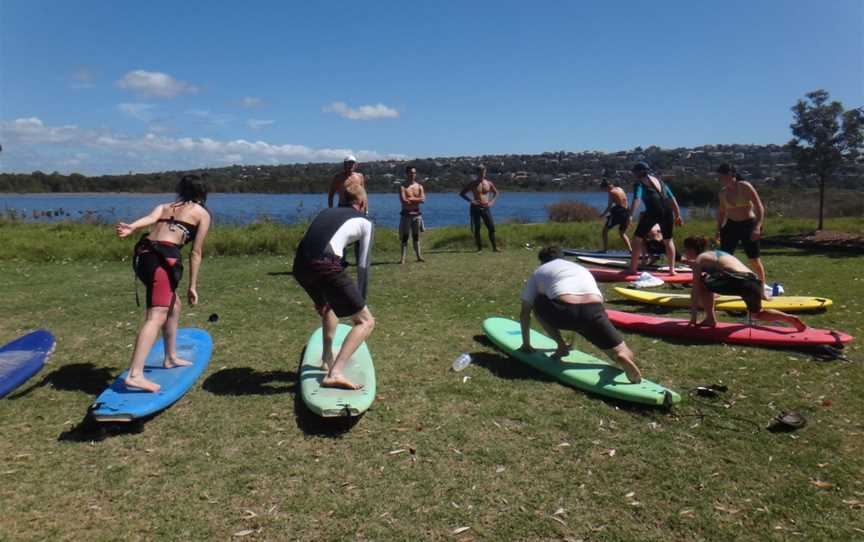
787	422
213	318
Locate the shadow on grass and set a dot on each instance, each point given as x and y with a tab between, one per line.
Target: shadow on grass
84	377
248	381
89	430
280	273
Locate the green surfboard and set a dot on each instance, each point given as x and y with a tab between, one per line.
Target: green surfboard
578	369
333	402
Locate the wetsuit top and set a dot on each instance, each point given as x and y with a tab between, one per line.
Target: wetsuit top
741	201
334	229
654	200
559	277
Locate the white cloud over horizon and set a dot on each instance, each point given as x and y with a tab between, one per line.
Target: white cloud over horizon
209	117
35	145
364	112
155	84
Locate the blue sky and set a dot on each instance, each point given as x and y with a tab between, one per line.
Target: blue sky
109	87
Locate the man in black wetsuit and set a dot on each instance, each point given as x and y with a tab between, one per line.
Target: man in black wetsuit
319	267
661	208
484	194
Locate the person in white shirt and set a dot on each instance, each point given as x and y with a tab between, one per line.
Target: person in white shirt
564	295
319	267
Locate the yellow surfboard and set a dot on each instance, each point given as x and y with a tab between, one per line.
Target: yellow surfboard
727	302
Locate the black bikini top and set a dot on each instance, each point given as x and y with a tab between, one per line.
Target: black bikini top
188	230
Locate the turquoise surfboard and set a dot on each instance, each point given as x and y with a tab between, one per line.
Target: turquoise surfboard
119	403
578	369
333	402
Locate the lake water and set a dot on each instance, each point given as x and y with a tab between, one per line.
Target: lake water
440	209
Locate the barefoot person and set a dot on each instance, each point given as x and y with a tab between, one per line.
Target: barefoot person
564	295
341	181
616	214
411	195
483	197
158	265
319	268
739	217
661	208
716	271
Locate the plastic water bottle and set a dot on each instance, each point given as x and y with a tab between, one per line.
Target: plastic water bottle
777	289
462	361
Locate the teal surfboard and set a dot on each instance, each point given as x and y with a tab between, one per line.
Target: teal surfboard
333	402
578	369
121	404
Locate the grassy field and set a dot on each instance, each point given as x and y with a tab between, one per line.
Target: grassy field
507	453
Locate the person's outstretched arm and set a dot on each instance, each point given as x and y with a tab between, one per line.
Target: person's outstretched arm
125	230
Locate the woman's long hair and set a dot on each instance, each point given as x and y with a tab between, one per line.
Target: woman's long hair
192	187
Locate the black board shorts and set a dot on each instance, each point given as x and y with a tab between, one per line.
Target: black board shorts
739	231
481	214
587	319
618	216
329	285
647	221
746	285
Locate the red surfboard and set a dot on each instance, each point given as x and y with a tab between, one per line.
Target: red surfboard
726	333
622	275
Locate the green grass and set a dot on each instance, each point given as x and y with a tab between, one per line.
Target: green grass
500	453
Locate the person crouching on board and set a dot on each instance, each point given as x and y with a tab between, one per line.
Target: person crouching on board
716	271
564	295
158	264
319	267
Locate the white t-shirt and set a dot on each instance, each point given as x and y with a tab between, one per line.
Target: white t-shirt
558	277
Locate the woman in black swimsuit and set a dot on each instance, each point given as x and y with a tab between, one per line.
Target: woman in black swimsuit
157	263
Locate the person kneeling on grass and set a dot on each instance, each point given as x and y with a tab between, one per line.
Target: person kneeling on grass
319	267
564	295
716	271
158	265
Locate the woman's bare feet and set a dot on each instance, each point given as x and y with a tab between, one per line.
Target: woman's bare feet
141	383
173	363
337	380
707	323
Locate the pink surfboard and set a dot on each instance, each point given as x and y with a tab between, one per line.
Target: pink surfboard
726	333
621	275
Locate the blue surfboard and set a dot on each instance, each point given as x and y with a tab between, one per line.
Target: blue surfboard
120	403
23	358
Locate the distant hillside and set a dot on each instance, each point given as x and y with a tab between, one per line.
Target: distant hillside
689	170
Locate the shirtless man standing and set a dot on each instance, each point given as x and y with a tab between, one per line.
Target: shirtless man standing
341	182
411	195
484	195
616	214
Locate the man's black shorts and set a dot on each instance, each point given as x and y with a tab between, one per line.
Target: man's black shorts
587	319
747	285
327	283
647	221
734	232
618	216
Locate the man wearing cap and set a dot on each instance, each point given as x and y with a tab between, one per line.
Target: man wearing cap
342	181
661	208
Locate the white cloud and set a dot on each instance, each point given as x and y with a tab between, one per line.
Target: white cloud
140	111
160	85
251	101
257	124
110	151
364	112
210	118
